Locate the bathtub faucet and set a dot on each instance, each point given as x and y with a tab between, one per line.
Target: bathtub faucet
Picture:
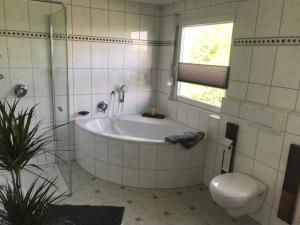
123	89
102	106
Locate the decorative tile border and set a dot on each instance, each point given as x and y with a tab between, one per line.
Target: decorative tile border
40	35
268	41
24	34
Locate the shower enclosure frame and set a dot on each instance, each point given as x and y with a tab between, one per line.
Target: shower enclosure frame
51	35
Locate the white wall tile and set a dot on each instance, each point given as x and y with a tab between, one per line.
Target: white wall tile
40	53
258	93
145	57
190	5
144	102
181	158
101	169
269	149
231	107
84	3
210	154
42	82
242	164
115	152
237	89
195	176
99	22
203	3
16	14
182	113
131	155
4	54
115	79
116	56
193	118
5	83
19	52
131	77
82	81
114	174
39	16
81	54
100	81
262	64
164	179
283	98
287	57
116	24
165	156
130	177
180	178
147	178
131	59
99	55
148	154
146	27
269	18
246	142
132	26
132	7
240	63
81	20
290	18
116	5
99	4
2	19
268	176
293	124
144	82
246	19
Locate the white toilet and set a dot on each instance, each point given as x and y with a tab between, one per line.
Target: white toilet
238	193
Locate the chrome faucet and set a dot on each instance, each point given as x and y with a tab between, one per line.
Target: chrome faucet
102	106
123	89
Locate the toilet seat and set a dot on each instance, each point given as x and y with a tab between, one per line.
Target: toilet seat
235	187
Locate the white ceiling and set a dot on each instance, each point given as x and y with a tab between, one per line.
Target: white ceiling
155	2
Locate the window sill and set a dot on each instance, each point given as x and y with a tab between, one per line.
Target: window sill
202	105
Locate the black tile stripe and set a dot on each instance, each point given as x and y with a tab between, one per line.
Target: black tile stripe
40	35
268	41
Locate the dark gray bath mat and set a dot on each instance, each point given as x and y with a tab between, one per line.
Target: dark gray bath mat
85	215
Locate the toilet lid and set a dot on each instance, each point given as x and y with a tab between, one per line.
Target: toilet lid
235	185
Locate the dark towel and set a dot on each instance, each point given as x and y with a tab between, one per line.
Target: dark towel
188	139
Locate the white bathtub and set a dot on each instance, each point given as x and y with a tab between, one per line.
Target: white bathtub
131	151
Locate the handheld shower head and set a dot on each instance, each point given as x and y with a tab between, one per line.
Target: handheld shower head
124	88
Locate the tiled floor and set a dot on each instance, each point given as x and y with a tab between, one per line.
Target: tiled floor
185	206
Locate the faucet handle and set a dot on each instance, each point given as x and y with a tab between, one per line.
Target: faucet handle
102	106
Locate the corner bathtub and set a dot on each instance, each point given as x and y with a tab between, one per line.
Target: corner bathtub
131	151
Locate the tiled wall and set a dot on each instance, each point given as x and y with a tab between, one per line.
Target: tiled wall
97	65
264	73
98	68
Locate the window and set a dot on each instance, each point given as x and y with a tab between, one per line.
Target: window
204	62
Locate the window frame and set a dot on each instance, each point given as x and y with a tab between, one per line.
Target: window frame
197	22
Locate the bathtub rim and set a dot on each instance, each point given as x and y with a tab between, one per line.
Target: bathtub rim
81	123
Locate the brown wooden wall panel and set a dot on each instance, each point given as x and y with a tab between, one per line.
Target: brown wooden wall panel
290	187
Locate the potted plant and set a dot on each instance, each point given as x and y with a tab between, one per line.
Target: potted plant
20	142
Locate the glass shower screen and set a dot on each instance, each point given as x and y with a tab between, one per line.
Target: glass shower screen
59	61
